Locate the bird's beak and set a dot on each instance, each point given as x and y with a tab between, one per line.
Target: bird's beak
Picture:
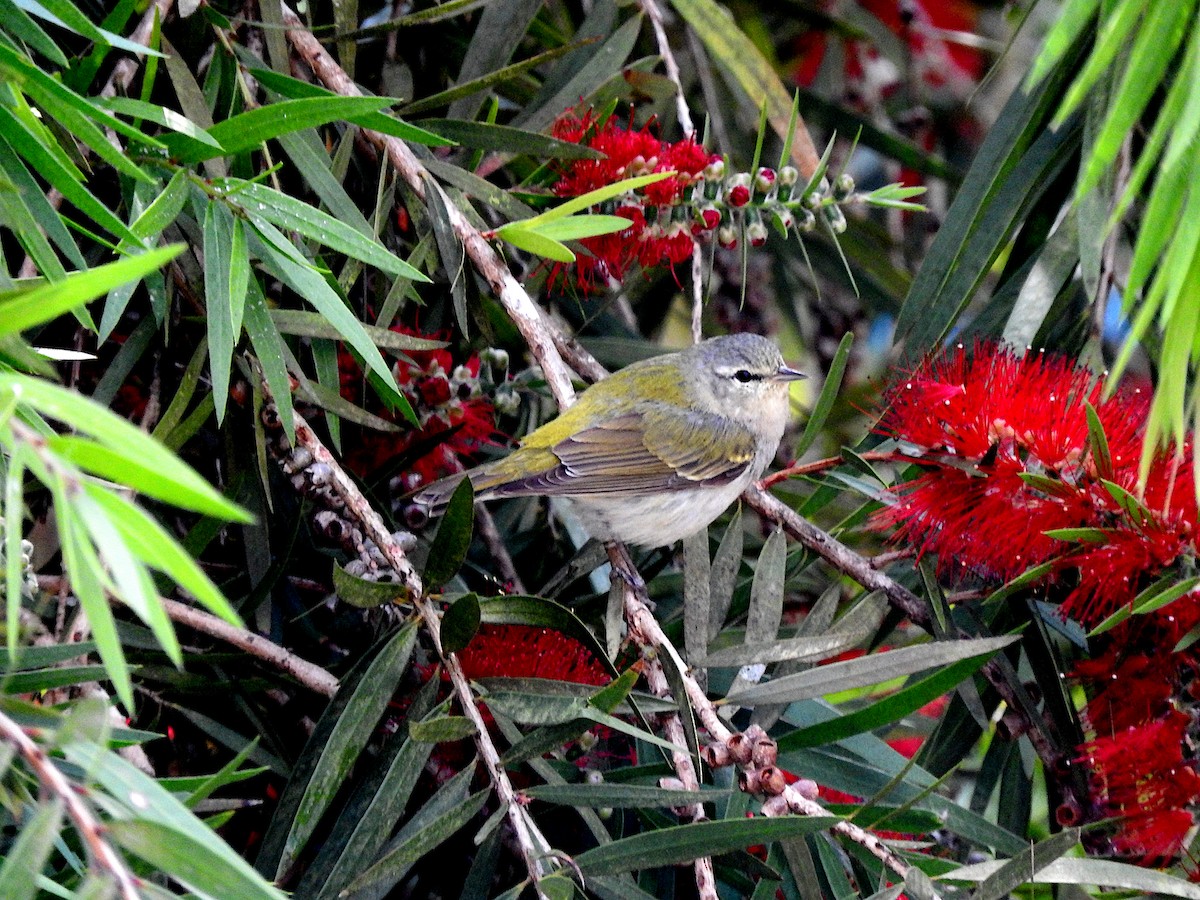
785	373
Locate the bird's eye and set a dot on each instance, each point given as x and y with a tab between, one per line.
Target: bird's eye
744	376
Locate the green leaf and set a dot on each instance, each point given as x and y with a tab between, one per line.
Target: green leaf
725	567
1162	592
1025	867
460	622
76	113
28	853
442	730
306	281
683	843
269	348
249	129
369	817
1073	17
536	243
883	712
260	201
311	324
1161	30
66	15
867	670
189	861
815	425
161	115
1085	871
505	139
697	569
365	594
24	308
799	649
621	796
218	246
399	858
453	537
120	437
59	171
573	228
347	739
592	198
376	121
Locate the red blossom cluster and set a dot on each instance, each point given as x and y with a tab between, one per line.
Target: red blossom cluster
1008	457
661	225
1141	758
526	651
448	401
1005	445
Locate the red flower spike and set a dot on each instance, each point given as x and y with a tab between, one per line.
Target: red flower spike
526	651
629	153
1006	444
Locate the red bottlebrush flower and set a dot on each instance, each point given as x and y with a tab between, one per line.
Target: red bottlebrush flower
1005	442
447	400
629	153
525	651
1140	775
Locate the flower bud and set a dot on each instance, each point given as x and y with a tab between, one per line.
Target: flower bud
788	176
765	179
783	217
739	195
808	221
727	237
496	357
715	170
843	187
756	234
708	217
813	199
835	218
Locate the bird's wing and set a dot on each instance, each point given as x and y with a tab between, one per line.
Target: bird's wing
649	450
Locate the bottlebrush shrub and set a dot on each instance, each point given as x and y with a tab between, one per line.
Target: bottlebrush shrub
1014	478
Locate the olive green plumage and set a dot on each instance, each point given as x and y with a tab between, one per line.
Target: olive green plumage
656	450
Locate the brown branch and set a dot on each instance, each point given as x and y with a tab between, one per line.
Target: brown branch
308	674
645	631
89	826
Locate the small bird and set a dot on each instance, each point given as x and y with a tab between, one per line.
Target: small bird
656	451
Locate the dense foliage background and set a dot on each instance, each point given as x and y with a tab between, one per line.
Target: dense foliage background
267	270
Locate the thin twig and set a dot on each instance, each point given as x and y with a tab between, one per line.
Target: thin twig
655	15
646	633
308	674
820	465
89	826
